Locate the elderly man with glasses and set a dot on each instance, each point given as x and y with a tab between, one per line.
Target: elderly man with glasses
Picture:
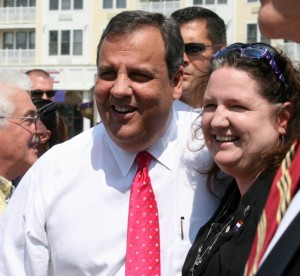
18	122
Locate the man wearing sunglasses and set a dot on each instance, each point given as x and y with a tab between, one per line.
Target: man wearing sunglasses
203	34
18	122
42	84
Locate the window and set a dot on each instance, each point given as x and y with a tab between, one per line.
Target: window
53	43
53	5
64	42
77	42
19	40
209	1
110	4
8	40
251	33
222	1
19	3
121	4
8	3
252	1
31	40
66	4
78	4
107	4
198	2
254	35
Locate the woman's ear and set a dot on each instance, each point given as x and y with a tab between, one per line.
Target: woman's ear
45	136
283	117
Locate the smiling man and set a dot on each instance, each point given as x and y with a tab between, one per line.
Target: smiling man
17	130
74	206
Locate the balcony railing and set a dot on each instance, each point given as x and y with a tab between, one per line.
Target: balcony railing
165	7
292	50
17	57
17	15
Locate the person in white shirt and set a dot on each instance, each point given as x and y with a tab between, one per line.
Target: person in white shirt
68	215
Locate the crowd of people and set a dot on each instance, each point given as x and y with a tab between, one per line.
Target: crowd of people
194	169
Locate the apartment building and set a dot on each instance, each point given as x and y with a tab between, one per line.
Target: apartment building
61	37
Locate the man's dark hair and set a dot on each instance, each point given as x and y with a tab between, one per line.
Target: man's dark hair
215	25
127	22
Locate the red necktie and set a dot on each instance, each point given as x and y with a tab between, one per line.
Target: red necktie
284	186
143	244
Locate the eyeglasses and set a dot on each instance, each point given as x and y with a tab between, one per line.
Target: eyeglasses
193	49
39	93
255	51
27	121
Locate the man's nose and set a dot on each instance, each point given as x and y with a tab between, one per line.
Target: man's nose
121	86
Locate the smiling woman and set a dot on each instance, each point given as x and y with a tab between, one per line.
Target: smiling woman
249	122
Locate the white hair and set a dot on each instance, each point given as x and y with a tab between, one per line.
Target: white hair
11	82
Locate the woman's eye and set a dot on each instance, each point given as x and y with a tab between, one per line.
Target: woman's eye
238	107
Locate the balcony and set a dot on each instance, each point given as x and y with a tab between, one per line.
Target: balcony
292	50
17	15
14	57
165	7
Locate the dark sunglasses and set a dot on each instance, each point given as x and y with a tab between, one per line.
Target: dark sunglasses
40	93
193	49
255	51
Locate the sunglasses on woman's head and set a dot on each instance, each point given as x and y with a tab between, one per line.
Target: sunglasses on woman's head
255	51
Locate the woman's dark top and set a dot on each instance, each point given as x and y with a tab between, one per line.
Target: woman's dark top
223	244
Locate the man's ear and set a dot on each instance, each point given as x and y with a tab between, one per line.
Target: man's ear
283	117
177	83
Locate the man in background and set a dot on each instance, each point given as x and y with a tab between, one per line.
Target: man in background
42	84
203	33
18	121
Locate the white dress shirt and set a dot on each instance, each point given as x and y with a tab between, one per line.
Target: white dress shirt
68	215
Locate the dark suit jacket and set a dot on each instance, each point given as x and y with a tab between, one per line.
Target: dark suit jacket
284	259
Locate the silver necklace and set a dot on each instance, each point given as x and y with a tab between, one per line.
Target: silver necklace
200	254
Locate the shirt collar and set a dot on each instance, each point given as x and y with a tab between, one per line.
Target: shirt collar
160	150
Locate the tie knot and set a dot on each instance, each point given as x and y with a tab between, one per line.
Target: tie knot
143	159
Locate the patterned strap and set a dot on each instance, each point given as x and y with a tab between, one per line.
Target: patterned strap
284	186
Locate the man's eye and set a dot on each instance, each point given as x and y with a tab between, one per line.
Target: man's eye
139	77
28	120
108	75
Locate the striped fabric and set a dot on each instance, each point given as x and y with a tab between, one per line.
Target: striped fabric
284	187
